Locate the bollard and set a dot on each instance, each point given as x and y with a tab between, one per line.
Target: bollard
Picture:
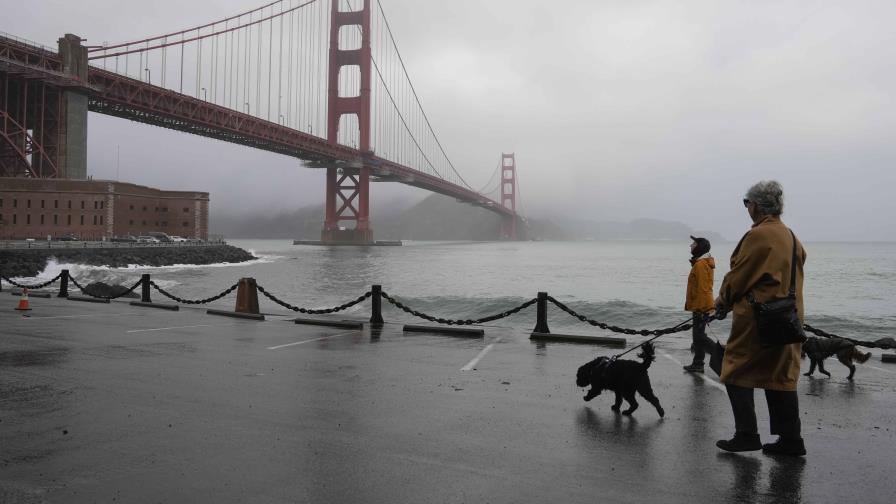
376	305
144	284
63	284
247	297
541	314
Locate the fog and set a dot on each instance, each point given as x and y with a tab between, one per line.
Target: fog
616	110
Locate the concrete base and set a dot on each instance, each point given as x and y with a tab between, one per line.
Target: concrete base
888	358
172	307
344	324
88	299
34	294
378	243
578	338
225	313
453	331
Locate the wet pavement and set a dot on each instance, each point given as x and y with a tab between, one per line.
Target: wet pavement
114	403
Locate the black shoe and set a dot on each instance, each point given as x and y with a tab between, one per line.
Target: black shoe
694	368
741	442
791	447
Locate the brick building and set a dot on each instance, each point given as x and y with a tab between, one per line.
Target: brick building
97	209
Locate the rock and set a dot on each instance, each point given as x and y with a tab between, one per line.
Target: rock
102	289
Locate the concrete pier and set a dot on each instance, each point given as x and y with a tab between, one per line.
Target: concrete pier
103	403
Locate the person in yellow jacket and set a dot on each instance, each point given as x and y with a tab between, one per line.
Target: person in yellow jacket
699	300
760	268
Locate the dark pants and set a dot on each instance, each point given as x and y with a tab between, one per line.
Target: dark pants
700	343
783	411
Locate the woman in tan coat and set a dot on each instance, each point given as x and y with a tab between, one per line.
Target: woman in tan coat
760	265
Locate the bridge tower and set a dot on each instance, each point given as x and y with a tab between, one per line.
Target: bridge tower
348	187
508	195
43	123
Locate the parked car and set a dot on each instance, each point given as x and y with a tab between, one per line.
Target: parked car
125	239
178	239
147	239
68	237
162	237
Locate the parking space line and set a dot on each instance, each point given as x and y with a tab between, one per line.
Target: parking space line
881	369
32	317
310	340
706	379
177	327
470	365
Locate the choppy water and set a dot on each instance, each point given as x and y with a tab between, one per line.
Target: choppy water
849	287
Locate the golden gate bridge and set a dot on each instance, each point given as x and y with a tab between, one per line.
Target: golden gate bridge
319	80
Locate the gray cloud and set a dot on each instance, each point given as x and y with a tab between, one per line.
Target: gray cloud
615	109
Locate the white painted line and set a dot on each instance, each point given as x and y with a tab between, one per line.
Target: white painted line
881	369
706	379
177	327
310	340
76	316
470	365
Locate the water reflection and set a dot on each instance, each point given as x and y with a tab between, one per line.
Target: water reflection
784	482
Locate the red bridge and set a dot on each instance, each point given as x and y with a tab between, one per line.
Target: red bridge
269	78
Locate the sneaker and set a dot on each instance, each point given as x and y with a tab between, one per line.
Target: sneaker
791	447
694	368
741	442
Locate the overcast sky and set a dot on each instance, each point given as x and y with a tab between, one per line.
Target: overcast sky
615	109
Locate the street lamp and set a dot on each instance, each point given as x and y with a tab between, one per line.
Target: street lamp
247	107
148	75
280	120
204	94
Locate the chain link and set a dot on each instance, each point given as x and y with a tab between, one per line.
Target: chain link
125	293
38	286
439	320
197	301
824	334
684	326
309	310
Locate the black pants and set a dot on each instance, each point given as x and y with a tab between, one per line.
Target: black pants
783	411
700	342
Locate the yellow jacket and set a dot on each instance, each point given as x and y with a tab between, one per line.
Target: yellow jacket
699	295
760	264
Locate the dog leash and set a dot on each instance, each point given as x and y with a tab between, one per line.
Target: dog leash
639	345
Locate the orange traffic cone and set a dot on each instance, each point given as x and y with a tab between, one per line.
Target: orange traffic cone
23	302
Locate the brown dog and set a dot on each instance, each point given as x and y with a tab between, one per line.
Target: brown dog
819	349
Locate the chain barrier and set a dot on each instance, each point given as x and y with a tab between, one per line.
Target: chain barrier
867	344
197	301
439	320
309	310
38	286
87	292
684	326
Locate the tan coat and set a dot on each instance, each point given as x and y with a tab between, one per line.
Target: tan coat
699	293
761	264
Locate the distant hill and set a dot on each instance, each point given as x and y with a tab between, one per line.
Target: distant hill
439	217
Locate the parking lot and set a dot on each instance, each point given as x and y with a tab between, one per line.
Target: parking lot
103	402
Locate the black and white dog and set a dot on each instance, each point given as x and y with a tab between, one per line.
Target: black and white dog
624	377
819	349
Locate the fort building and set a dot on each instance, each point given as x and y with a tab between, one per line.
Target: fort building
97	209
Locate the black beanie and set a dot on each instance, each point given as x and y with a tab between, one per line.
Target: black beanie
702	246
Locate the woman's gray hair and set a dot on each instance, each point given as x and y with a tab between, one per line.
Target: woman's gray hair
768	196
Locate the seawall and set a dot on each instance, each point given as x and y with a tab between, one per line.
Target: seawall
30	262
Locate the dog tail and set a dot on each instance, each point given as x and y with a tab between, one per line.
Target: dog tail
860	357
648	354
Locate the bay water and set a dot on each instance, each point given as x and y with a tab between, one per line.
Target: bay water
849	287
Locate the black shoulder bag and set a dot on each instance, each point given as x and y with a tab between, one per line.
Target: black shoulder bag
777	321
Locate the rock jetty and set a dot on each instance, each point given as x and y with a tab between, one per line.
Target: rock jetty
30	262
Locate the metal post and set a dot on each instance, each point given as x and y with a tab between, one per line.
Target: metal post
63	284
145	285
541	314
376	305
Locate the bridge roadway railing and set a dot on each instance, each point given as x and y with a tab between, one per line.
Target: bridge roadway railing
248	289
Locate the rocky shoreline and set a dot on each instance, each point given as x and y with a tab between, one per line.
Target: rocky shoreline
30	262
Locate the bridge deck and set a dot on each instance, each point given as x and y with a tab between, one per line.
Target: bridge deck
112	402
